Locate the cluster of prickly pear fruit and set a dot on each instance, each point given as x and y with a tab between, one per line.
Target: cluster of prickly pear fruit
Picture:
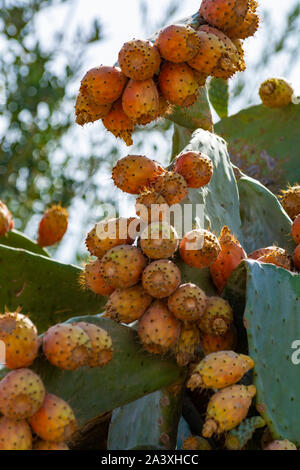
154	76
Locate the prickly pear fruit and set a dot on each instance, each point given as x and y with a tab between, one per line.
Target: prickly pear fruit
107	234
118	123
196	443
53	226
21	339
66	346
140	101
6	220
92	279
262	252
158	329
159	240
296	257
87	111
151	206
290	200
228	259
279	257
227	408
54	421
188	303
14	435
199	248
217	318
178	84
161	278
210	53
237	438
276	93
281	445
128	305
122	266
219	370
296	230
224	14
246	29
214	343
139	60
47	445
102	350
178	43
22	393
186	347
134	173
172	186
195	167
103	85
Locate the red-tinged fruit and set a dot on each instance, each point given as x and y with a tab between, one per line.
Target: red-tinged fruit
262	252
290	201
195	167
22	393
295	232
227	408
151	206
214	343
159	240
279	257
20	338
296	257
47	445
219	370
276	93
178	43
102	347
53	226
66	346
55	420
87	111
210	54
281	445
188	303
6	220
230	256
14	435
92	279
158	329
172	186
139	60
118	123
187	345
135	173
161	278
103	84
128	305
178	84
140	101
246	29
224	14
217	317
122	266
199	248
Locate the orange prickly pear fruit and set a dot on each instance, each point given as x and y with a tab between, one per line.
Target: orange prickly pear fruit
118	123
140	101
296	257
151	206
139	60
224	14
158	329
128	305
54	421
229	258
196	443
66	346
188	303
159	240
217	318
22	393
122	266
134	173
103	84
87	111
290	200
102	350
195	167
172	186
281	445
178	43
186	347
219	370
227	408
53	226
92	279
296	230
107	234
199	248
213	343
210	54
279	257
6	220
276	93
20	337
14	435
47	445
161	278
246	29
178	84
262	252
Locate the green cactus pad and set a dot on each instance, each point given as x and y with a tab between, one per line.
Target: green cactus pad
218	92
17	239
238	437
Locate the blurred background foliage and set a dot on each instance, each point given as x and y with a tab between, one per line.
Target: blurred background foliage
44	157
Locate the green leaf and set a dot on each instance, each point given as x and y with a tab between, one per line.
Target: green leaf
17	239
218	92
